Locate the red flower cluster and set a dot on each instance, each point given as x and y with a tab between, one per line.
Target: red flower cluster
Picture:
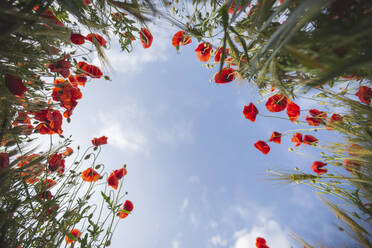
89	70
67	94
115	176
15	85
99	141
333	120
48	14
261	243
92	37
204	51
75	233
51	121
181	39
250	112
317	117
225	76
61	66
318	167
127	209
146	38
297	138
56	163
365	94
77	39
218	54
79	79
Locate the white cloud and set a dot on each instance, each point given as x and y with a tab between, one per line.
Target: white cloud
123	135
175	244
185	204
193	220
133	62
213	224
131	127
218	241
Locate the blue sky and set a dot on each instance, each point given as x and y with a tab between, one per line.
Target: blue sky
193	174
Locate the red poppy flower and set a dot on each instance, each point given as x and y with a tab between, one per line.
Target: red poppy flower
317	167
146	38
56	163
41	115
89	70
62	67
225	76
52	122
120	173
351	165
218	54
232	8
77	39
297	138
4	160
293	111
15	85
261	243
79	79
204	51
68	151
99	141
354	150
75	233
181	39
113	181
87	2
334	118
48	14
100	40
49	183
262	146
250	112
90	175
55	121
127	207
317	118
277	103
310	140
365	94
276	137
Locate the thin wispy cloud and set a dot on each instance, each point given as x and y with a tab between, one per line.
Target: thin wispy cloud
217	240
184	205
135	62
